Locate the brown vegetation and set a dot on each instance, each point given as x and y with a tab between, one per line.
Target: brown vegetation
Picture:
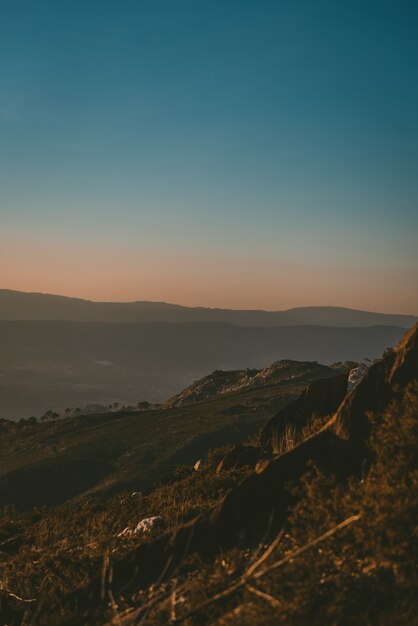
261	501
360	466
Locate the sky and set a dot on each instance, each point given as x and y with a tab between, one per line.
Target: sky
232	153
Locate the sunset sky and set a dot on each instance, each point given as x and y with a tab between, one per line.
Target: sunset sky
234	153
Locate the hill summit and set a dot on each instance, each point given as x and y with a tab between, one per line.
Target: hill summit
221	382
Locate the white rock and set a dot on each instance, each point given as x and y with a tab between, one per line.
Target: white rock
147	524
356	375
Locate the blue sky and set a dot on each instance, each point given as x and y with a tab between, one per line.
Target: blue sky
166	149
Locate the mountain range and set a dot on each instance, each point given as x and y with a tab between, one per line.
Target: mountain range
16	305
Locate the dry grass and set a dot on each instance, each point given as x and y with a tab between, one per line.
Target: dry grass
287	439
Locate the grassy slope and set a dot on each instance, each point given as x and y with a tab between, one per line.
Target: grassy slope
365	574
52	462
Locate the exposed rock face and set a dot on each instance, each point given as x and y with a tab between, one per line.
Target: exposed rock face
261	501
383	383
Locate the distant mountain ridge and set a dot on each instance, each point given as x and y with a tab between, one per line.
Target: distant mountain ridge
21	306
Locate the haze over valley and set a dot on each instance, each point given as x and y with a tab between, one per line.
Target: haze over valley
150	351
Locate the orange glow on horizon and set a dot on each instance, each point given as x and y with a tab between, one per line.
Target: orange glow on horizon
126	274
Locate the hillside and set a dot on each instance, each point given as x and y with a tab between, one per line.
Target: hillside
15	305
220	382
54	365
51	462
322	533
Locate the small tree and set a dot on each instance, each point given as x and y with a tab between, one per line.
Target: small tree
49	416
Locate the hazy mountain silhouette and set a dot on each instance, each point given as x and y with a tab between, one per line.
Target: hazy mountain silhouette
16	305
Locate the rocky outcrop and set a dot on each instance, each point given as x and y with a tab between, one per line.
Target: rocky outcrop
383	383
220	382
261	501
355	376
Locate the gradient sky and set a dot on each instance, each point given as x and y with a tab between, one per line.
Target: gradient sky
246	154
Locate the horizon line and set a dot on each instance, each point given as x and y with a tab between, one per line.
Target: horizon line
214	308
